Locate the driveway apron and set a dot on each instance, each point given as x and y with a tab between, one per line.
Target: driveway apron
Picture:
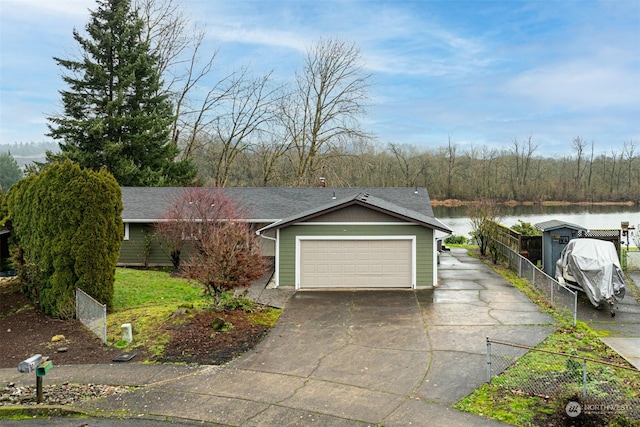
348	358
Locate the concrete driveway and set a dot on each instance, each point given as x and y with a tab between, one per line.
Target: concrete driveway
623	330
348	358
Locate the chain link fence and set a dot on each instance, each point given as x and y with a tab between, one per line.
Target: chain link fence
632	259
558	295
609	388
92	314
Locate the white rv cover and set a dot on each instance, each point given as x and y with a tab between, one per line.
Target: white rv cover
595	266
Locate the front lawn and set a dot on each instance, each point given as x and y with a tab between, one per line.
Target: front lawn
162	308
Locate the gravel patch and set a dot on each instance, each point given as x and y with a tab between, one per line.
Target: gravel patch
64	394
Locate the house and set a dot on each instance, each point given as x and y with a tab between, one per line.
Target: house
319	237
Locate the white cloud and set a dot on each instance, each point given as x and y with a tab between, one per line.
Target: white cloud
577	85
258	36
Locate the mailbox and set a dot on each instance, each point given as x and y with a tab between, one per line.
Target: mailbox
43	368
30	364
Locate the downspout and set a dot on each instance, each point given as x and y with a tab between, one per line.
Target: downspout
275	240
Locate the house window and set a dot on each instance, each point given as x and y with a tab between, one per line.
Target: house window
126	231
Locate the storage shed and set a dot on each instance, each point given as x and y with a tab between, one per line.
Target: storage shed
555	236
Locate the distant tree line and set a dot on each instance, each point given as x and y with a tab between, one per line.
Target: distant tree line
470	173
28	148
450	172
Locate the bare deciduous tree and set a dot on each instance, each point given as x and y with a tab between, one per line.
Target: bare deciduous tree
323	108
522	154
450	154
628	151
578	145
249	107
179	50
410	163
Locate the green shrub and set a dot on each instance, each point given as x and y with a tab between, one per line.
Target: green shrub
67	231
455	240
526	229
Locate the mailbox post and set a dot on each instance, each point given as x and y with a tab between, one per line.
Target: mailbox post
35	363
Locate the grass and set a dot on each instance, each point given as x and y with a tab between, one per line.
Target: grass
148	299
266	317
503	399
142	288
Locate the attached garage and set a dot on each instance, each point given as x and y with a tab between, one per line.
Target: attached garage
360	242
364	262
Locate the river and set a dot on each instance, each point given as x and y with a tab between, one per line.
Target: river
590	217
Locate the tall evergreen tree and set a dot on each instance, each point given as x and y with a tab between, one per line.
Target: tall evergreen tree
10	172
115	115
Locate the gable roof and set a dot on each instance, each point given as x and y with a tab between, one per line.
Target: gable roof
361	199
276	204
555	224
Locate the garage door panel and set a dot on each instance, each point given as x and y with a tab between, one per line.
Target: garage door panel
355	263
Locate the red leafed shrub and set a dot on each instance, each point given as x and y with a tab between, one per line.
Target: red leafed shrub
209	241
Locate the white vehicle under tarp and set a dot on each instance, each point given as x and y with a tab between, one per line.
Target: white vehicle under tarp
592	266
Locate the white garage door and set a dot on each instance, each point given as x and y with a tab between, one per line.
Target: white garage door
355	263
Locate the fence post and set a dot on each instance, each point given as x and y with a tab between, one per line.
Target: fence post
551	286
533	276
584	378
519	267
488	360
575	308
104	324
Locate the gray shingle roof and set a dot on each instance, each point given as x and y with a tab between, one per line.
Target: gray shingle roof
271	204
555	223
363	199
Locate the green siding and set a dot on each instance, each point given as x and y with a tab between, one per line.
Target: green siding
424	246
132	250
355	213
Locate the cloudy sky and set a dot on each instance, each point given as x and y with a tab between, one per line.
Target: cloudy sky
480	72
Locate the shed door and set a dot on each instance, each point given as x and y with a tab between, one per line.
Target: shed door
355	264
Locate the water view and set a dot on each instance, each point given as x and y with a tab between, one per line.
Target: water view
590	217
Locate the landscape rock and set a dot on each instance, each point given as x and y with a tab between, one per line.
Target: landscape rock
65	394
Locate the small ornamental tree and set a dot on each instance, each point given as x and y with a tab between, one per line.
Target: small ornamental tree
220	252
67	228
484	215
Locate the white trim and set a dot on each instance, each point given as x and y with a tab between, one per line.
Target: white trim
151	221
434	246
359	223
368	237
126	231
276	272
